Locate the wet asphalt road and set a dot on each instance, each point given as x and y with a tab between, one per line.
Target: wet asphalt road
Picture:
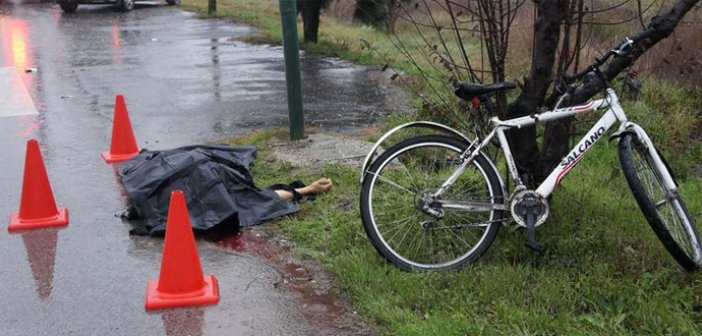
186	81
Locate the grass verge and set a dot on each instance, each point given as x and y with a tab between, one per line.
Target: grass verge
604	271
338	38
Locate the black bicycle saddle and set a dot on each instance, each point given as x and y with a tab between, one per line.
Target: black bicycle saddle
468	91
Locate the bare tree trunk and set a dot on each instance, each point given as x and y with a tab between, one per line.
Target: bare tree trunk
546	36
557	133
310	10
211	7
491	19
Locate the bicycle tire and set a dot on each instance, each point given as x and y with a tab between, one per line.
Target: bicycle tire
665	213
68	6
448	243
124	5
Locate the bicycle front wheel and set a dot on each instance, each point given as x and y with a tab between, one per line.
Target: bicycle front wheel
416	231
664	210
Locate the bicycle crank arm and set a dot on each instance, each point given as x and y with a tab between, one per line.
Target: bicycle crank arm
531	234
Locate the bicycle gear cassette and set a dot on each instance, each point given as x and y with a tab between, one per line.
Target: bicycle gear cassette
528	202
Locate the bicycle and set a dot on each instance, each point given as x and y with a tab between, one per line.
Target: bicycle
435	202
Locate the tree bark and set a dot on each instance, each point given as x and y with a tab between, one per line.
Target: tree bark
310	10
211	7
557	135
535	86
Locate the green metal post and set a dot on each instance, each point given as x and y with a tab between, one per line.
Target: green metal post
288	18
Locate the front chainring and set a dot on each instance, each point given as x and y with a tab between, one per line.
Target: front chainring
528	202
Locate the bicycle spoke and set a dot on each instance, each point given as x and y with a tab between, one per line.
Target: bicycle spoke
416	243
396	210
396	185
406	232
431	248
397	215
409	178
661	203
460	238
663	208
401	225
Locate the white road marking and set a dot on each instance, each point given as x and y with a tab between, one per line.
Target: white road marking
14	96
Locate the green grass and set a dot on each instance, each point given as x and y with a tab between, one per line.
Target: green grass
604	272
336	38
263	14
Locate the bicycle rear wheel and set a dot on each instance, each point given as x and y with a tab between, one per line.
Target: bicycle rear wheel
415	233
664	210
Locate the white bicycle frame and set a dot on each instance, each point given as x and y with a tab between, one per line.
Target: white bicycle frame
614	114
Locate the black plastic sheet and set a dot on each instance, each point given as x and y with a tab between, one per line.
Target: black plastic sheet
218	188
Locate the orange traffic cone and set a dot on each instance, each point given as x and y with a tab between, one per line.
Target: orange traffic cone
37	206
123	145
181	282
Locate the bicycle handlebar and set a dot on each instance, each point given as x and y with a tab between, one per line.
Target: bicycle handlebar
622	50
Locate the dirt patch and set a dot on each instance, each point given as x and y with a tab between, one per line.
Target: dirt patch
321	148
304	280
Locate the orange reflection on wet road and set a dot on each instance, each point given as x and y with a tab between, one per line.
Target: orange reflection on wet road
116	43
14	40
14	36
28	125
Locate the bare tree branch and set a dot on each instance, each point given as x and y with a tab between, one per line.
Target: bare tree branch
660	27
